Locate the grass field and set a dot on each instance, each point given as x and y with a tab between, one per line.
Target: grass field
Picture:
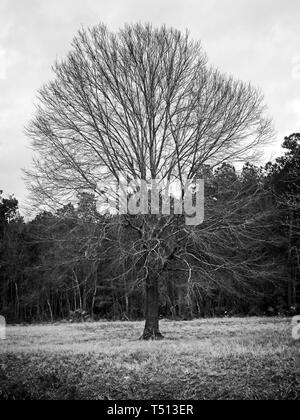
248	358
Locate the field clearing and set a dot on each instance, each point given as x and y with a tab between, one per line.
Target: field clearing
237	358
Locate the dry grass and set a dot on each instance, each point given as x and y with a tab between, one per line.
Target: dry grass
209	359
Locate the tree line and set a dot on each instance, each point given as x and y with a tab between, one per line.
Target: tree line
74	263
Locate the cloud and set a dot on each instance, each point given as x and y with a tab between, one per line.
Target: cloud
293	108
3	64
296	67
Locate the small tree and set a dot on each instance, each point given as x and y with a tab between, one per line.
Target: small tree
284	179
11	226
143	102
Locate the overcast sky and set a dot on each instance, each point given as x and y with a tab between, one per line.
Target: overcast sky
256	40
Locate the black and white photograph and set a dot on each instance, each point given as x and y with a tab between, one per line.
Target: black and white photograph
149	203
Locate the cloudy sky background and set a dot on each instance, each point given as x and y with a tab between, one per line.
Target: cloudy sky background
255	40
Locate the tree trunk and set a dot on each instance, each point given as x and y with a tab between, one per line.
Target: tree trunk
151	331
94	298
50	310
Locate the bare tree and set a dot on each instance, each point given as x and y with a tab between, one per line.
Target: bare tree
143	102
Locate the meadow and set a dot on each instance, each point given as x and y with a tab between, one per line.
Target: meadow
234	358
